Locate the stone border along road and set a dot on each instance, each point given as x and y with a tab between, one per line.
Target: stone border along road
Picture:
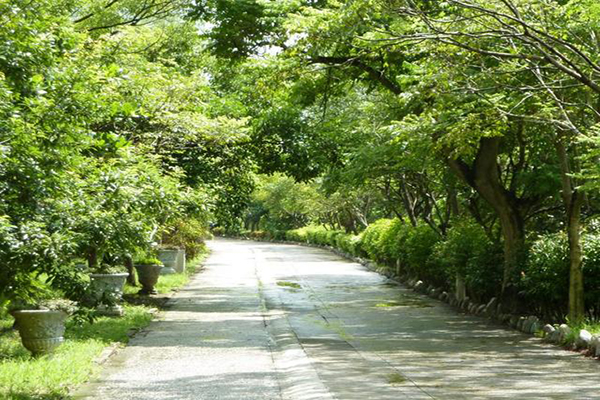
277	321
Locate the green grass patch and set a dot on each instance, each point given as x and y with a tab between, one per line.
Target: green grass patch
405	301
396	379
292	285
52	377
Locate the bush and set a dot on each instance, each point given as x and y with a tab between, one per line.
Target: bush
591	273
324	237
188	234
416	257
421	251
375	237
392	242
545	281
348	243
469	252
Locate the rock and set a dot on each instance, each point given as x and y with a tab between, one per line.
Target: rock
554	337
563	332
481	309
514	320
520	323
548	329
490	307
595	346
535	327
583	340
418	286
464	304
528	324
505	318
443	296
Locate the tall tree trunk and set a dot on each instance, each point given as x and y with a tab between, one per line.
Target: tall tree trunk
131	270
573	201
576	290
483	176
92	258
408	202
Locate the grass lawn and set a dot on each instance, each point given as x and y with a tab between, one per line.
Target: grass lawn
53	377
50	377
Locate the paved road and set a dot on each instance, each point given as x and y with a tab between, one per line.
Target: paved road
268	321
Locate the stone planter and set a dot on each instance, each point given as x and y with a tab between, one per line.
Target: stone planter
169	259
180	266
41	331
107	291
148	276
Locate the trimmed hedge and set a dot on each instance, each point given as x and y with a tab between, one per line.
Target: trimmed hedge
545	282
467	251
420	252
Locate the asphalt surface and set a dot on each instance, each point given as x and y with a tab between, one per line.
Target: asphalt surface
273	321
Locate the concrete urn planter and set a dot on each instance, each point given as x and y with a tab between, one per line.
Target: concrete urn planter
41	331
148	276
107	291
181	261
169	259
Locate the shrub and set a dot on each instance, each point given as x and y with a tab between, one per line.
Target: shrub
372	242
187	233
545	281
418	246
469	252
324	237
392	242
591	273
348	243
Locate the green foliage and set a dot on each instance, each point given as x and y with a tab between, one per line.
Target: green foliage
546	276
376	242
545	281
147	260
468	252
280	203
188	234
417	255
325	237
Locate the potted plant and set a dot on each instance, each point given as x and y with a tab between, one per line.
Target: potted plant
148	269
107	281
168	256
42	325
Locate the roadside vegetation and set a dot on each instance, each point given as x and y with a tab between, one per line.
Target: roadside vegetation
457	141
56	376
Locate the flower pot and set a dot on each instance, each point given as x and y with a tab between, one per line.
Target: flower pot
169	260
180	265
41	331
107	291
148	276
108	286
